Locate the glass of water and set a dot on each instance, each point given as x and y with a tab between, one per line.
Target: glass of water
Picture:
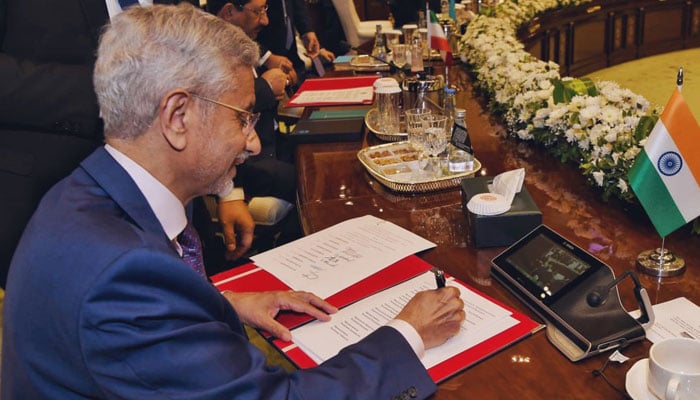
414	126
434	139
398	52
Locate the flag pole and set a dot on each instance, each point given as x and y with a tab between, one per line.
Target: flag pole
427	26
661	262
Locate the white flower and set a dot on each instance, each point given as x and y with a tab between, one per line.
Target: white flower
611	114
588	114
598	176
521	87
622	185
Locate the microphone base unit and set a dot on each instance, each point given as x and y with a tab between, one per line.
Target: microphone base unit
557	280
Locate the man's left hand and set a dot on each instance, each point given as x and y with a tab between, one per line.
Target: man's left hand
260	309
313	46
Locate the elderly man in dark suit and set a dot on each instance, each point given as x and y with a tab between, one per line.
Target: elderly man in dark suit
106	296
49	117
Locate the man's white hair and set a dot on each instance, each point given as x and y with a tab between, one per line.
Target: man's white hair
145	52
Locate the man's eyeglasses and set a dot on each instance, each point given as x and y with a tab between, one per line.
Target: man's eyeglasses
258	12
248	119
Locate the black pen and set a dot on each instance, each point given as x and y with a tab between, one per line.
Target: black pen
439	278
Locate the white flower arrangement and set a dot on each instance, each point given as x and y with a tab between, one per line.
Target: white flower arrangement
596	125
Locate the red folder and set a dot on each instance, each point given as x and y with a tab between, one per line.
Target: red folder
250	278
350	82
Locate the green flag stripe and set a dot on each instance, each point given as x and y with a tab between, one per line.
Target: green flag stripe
655	198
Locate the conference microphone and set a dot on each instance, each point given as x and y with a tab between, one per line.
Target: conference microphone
599	295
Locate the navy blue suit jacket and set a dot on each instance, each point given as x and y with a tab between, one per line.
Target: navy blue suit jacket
99	305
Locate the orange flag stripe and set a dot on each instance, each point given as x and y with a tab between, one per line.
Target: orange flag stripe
683	128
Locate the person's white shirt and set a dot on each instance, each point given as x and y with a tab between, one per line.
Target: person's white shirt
113	7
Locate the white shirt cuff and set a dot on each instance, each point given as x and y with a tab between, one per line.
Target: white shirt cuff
410	334
233	194
263	58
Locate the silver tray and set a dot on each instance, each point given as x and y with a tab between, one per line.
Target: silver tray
372	124
392	165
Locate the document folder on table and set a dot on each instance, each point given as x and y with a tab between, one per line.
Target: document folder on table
328	130
334	91
250	278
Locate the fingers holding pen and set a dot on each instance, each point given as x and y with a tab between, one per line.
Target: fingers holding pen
435	314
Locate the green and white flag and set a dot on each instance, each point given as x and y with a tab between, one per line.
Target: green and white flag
666	174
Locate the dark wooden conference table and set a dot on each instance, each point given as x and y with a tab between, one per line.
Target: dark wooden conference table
334	186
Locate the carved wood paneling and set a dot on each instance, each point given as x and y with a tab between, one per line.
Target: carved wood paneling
608	32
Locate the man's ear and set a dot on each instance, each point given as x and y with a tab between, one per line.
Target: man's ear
227	12
175	116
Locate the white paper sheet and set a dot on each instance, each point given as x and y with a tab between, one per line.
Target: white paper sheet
337	257
678	317
323	340
354	95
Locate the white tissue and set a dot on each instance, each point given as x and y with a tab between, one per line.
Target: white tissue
508	184
501	194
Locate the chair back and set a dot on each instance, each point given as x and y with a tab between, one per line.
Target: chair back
349	20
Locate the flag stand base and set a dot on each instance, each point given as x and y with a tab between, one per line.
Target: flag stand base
660	262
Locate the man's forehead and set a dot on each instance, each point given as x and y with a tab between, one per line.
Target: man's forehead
255	4
244	92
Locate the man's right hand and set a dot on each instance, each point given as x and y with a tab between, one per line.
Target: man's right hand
435	314
277	80
283	63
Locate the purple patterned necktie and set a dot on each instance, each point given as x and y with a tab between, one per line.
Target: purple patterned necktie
192	249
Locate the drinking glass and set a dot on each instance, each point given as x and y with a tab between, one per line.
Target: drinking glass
434	139
399	51
393	37
414	126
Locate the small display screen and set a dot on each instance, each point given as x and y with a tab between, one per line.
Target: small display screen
547	264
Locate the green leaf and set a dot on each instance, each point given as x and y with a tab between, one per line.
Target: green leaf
559	93
565	91
644	126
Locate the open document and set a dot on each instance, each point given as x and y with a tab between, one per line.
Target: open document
677	317
323	340
337	257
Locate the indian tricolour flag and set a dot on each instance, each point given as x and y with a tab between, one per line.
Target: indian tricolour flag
437	39
666	174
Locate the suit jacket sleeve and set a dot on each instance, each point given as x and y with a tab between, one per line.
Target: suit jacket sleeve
302	20
152	328
264	97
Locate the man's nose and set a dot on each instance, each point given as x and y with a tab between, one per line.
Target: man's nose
253	143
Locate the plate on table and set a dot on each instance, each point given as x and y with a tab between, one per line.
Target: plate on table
371	121
395	165
636	382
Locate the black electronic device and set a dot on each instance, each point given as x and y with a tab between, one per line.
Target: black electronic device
573	291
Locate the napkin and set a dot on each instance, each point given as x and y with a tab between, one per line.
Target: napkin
501	194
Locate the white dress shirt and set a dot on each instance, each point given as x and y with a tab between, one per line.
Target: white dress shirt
113	7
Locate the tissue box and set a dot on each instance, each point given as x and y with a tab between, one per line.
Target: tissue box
503	229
